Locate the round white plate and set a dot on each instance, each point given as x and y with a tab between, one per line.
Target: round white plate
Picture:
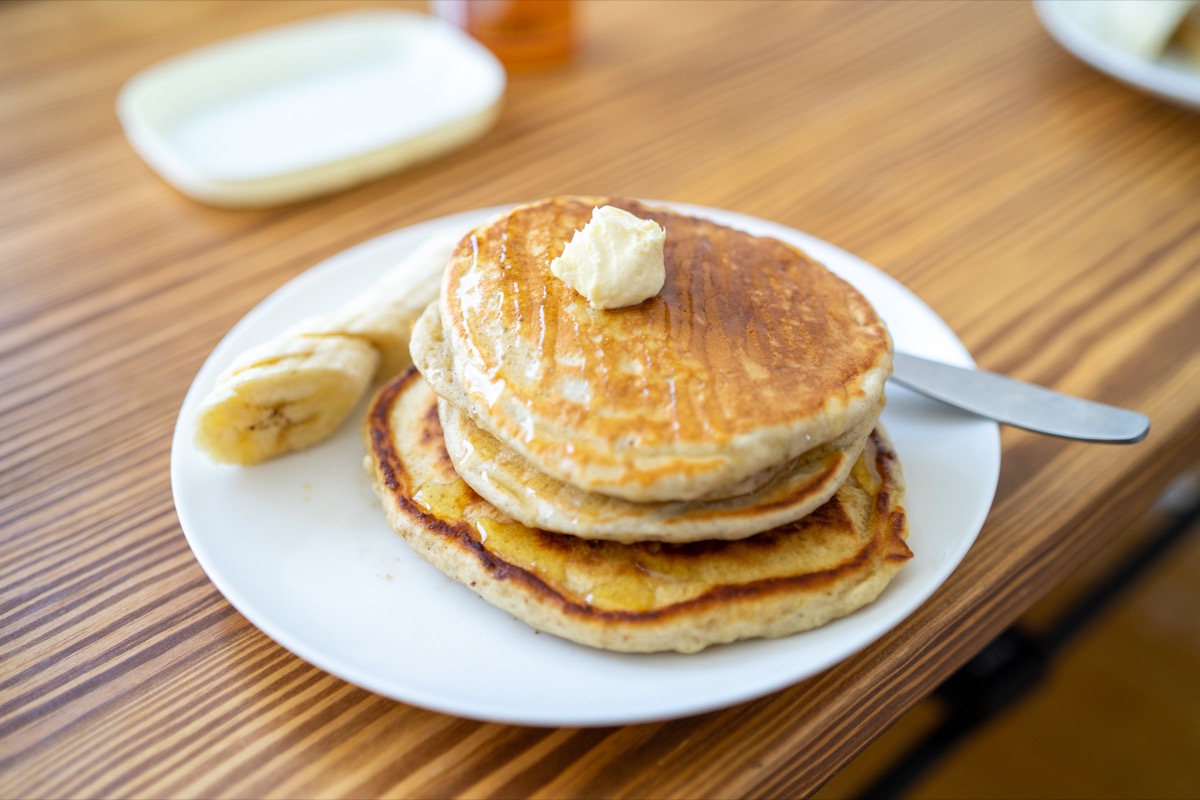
300	546
1073	25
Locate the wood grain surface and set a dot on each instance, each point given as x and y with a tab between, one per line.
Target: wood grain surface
1049	214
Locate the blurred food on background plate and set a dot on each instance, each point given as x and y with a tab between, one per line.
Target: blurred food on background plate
1146	28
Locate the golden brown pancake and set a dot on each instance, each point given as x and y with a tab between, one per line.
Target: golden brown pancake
636	597
537	500
750	355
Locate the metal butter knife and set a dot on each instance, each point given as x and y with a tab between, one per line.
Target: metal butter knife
1020	404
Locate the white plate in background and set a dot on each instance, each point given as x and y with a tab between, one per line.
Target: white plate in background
300	546
1074	25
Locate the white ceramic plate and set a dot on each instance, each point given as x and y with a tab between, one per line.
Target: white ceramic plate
1073	25
300	546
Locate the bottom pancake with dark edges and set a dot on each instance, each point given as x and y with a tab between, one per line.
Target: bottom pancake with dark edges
644	596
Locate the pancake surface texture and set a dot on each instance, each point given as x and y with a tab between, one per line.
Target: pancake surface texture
751	355
535	499
646	596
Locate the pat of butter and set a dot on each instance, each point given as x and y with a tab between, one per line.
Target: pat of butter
615	261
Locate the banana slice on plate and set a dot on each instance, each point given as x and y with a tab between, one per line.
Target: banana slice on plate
295	390
383	316
287	394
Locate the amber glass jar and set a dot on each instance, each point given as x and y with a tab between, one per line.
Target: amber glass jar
524	34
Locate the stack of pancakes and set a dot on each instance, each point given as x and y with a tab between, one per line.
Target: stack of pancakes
702	467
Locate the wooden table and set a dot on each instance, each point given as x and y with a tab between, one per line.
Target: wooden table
1050	215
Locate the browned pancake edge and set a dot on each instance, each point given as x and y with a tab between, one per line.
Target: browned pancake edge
769	607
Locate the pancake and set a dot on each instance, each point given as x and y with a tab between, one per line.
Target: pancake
751	355
533	498
433	359
641	597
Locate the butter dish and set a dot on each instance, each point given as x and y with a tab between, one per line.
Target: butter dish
311	107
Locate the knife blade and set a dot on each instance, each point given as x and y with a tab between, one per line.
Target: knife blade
1020	404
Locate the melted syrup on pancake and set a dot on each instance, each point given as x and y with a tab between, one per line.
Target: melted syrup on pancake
746	332
643	580
533	550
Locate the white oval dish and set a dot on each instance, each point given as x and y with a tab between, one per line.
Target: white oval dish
311	107
300	545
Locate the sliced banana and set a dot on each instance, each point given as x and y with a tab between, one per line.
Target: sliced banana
285	395
295	390
383	316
